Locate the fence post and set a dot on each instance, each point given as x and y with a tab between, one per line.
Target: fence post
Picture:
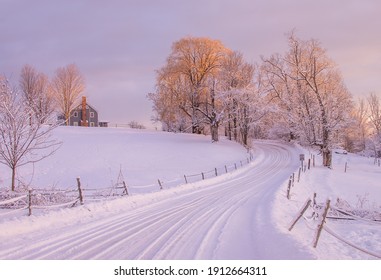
202	174
309	164
346	164
300	214
161	186
215	170
186	181
313	160
79	190
226	169
293	179
235	166
289	187
300	170
125	187
29	202
320	226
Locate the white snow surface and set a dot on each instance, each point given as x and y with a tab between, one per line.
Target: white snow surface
358	187
99	155
243	214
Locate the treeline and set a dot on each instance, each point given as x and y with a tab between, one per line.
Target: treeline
299	95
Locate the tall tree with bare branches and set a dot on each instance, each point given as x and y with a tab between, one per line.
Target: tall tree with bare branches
21	141
68	84
192	66
236	77
37	93
374	102
311	90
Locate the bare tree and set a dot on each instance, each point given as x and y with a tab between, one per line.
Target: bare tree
37	93
358	131
311	89
204	83
67	86
193	62
21	141
236	76
374	103
169	99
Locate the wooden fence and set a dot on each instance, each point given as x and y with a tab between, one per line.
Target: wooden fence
12	202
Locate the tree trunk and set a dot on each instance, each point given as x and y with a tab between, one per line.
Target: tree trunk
13	178
67	118
229	128
214	132
327	157
244	138
326	151
235	129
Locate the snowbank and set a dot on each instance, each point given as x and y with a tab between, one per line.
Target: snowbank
352	182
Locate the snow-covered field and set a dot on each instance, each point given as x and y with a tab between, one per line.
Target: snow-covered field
243	214
99	155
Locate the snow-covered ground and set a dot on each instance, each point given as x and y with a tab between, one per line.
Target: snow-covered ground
100	155
353	184
243	214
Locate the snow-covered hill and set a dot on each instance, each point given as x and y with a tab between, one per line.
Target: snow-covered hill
99	155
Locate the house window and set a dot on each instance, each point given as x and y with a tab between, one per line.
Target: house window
91	114
75	114
75	123
92	124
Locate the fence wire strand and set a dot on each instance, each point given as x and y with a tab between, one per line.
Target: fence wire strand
95	194
13	199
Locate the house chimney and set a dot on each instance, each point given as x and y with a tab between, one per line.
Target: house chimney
84	118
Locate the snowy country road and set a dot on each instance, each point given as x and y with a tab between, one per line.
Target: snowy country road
224	220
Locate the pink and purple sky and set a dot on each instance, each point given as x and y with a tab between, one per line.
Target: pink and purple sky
118	44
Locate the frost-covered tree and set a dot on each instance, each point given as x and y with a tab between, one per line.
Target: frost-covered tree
170	101
235	76
374	114
374	103
37	93
67	85
311	91
21	141
186	82
358	131
204	86
243	97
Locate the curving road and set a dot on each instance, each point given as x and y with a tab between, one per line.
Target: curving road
227	220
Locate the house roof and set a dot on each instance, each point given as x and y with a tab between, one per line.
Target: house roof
79	106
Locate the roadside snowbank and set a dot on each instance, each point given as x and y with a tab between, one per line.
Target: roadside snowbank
358	188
